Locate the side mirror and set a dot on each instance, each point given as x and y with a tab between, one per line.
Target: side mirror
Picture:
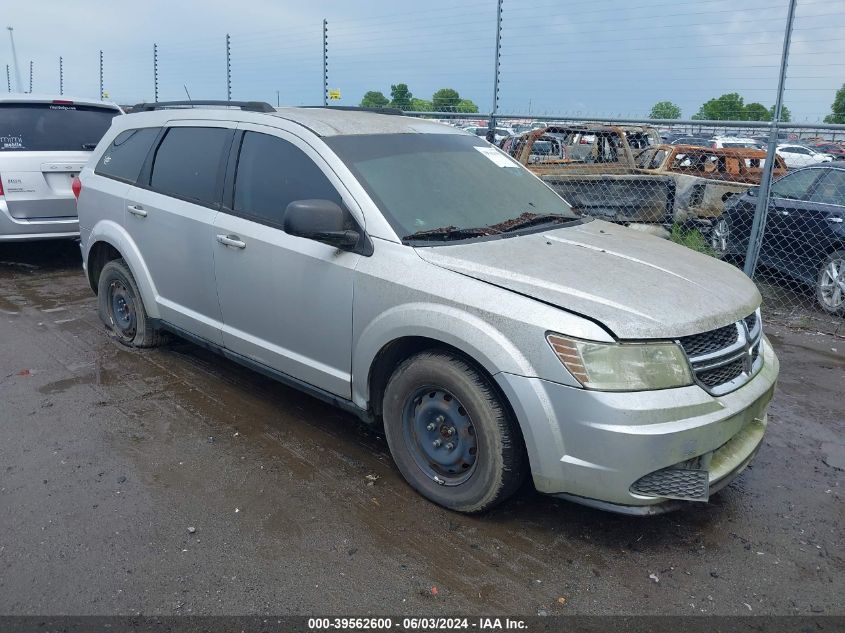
752	191
319	220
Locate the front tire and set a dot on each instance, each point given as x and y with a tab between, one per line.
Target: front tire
450	435
830	283
121	308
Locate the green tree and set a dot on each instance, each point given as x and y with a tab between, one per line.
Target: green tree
374	99
837	114
785	114
421	105
756	112
465	105
445	100
400	96
665	110
728	107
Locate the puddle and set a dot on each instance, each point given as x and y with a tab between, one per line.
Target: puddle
98	376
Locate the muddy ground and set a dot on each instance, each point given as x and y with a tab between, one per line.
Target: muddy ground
108	456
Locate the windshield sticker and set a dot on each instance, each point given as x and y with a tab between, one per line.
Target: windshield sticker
11	142
502	160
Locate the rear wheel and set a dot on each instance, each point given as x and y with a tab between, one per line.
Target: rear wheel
450	435
121	308
830	283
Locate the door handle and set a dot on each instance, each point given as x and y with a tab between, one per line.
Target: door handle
835	220
137	209
783	212
231	240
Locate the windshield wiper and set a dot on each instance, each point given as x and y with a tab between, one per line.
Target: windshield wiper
528	218
452	233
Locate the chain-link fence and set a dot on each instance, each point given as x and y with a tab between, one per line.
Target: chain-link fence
699	185
600	86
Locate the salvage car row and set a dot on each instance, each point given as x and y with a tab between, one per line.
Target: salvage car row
419	278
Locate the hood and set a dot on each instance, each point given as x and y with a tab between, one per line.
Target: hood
638	286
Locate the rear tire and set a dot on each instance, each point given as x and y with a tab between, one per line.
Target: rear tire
450	435
830	283
121	308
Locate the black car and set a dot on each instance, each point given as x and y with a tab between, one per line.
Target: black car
805	230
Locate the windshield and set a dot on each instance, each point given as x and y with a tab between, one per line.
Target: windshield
427	181
52	127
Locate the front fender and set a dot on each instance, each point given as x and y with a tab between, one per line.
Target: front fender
471	335
112	233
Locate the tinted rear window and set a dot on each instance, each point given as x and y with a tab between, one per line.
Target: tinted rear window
52	127
187	162
125	156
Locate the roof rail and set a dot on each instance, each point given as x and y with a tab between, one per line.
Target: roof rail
251	106
360	109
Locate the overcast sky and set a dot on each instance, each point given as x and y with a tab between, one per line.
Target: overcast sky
575	57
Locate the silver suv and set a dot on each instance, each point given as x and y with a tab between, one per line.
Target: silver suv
413	274
44	142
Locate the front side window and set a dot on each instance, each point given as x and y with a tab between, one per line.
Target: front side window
272	173
430	181
831	188
187	163
795	185
126	154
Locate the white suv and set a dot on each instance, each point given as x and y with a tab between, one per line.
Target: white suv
44	143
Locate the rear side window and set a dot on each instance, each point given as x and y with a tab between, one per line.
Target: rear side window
830	188
125	156
187	163
272	173
52	127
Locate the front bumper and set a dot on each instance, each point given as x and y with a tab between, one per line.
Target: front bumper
13	229
592	446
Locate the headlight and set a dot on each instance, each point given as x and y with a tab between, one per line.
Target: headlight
622	366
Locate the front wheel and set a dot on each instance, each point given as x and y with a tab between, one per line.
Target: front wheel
830	283
719	236
450	435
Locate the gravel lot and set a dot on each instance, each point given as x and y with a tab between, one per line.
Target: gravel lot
172	481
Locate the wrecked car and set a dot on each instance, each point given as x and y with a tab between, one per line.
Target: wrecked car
593	167
705	178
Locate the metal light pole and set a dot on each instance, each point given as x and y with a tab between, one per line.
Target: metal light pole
8	79
61	76
101	75
155	71
325	62
30	76
758	226
228	68
15	60
491	126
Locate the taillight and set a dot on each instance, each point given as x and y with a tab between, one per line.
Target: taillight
1	186
62	102
76	187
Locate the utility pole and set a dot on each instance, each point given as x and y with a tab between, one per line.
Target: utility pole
155	71
61	76
277	98
758	226
30	76
228	68
101	75
491	126
8	79
325	62
15	59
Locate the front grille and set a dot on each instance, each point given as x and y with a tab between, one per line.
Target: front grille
674	483
721	358
709	342
720	375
